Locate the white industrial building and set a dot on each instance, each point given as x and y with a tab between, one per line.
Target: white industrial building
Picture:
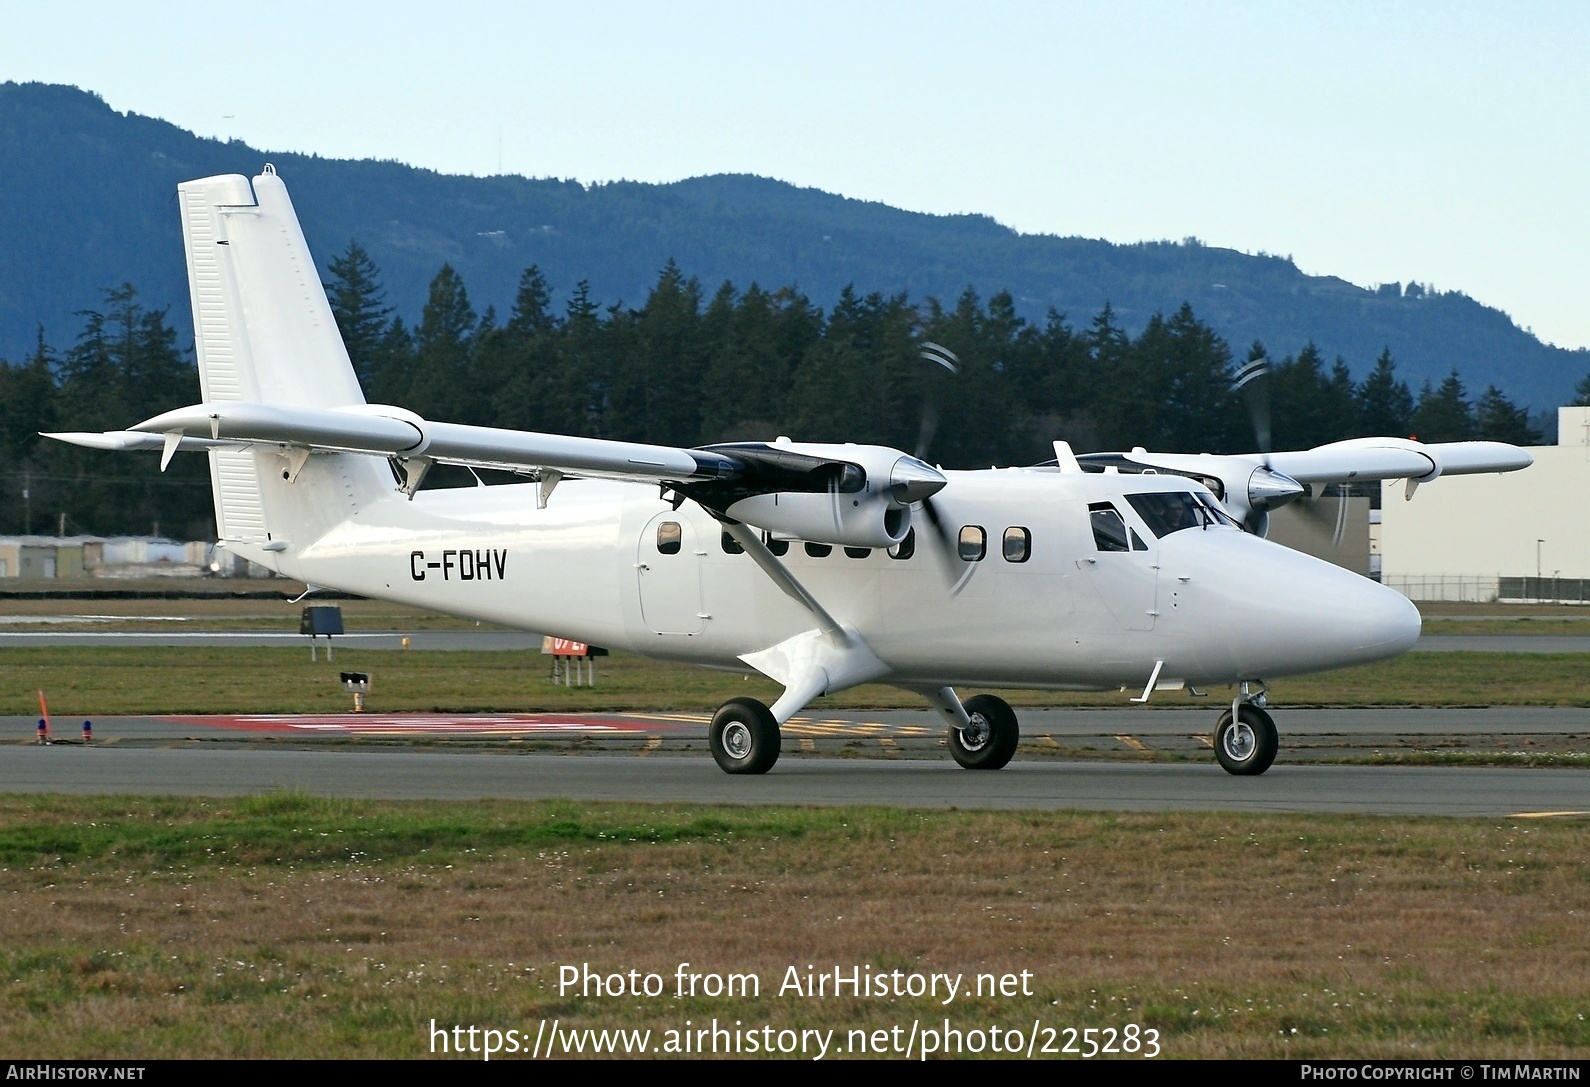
69	557
1514	536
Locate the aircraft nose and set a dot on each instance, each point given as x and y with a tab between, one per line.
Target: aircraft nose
1300	615
1389	624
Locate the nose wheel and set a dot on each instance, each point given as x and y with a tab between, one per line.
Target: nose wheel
1246	743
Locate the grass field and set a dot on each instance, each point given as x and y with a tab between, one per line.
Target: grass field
289	927
107	681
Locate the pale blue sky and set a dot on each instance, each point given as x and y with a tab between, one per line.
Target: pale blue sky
1444	143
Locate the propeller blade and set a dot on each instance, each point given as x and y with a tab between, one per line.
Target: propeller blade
1253	382
942	355
929	424
1312	508
928	427
940	539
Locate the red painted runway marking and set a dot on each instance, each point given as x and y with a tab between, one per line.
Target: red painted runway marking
398	724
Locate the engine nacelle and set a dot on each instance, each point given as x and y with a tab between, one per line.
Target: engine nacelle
849	520
869	506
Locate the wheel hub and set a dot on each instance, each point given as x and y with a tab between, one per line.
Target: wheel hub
1239	741
975	736
737	740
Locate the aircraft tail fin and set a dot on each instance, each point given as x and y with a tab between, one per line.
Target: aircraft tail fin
264	333
263	329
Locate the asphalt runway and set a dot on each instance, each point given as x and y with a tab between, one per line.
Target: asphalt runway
1034	784
663	758
513	639
1569	722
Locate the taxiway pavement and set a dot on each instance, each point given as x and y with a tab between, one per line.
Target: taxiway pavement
1025	784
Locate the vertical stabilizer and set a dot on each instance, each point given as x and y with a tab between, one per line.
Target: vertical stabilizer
264	333
263	328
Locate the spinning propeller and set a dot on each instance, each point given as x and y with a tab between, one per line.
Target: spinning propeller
1276	489
940	356
1267	489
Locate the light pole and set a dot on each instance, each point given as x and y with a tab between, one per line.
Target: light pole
1537	558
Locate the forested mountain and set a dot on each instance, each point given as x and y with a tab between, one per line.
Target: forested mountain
87	202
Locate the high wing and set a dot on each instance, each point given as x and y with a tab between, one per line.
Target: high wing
1252	484
719	477
385	431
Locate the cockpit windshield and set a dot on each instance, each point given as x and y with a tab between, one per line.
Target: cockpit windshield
1165	512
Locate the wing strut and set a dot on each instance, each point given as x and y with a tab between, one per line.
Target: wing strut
751	540
814	662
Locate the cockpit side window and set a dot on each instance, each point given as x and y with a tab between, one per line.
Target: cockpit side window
1109	530
1165	512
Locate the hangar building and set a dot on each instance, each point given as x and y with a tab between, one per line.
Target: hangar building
1521	536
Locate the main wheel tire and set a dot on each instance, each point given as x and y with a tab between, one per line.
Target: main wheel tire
1247	745
744	737
990	740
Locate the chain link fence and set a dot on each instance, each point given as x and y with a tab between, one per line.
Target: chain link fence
1490	589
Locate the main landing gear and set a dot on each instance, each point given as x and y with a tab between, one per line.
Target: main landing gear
744	735
1245	737
989	737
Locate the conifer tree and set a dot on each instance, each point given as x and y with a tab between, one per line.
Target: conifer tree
442	386
358	303
1498	419
1443	414
1385	406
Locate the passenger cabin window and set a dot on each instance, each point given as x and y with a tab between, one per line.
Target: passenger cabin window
906	547
1168	512
819	551
778	547
669	537
1109	530
731	546
1018	544
973	543
858	552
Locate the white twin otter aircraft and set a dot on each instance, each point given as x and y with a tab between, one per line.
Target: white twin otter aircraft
820	566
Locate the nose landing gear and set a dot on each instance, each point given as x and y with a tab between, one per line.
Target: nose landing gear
1245	737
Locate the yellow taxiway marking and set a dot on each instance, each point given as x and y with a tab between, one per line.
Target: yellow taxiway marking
652	743
1048	741
888	745
1206	741
846	728
1132	742
1544	814
808	744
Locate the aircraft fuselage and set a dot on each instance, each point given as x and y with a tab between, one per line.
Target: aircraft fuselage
1214	604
